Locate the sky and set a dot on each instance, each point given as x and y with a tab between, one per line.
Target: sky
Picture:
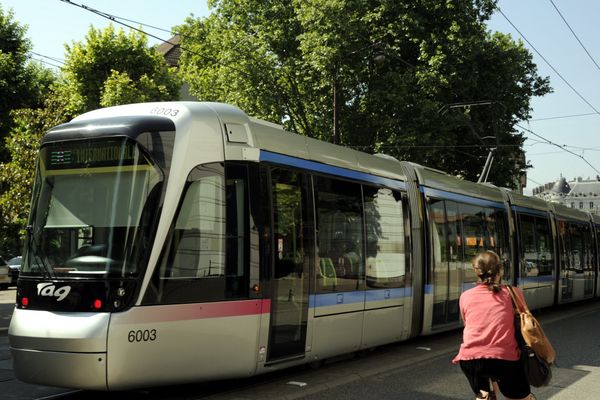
568	117
540	23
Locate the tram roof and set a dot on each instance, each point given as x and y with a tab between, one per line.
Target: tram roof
564	212
277	140
264	135
528	202
439	180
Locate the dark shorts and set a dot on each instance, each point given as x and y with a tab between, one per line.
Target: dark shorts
510	376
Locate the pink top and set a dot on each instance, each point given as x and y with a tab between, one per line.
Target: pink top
489	325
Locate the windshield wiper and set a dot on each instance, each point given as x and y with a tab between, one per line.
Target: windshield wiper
39	253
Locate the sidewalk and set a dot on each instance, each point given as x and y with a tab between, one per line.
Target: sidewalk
582	382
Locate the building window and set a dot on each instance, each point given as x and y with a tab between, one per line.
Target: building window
591	205
581	205
572	204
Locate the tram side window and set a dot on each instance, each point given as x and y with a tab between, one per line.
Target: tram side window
528	251
340	232
288	218
536	245
474	230
385	213
456	257
496	234
564	245
544	246
580	251
206	250
575	246
439	237
588	260
483	228
589	248
438	218
597	252
446	276
577	250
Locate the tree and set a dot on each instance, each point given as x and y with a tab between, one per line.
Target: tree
16	176
112	67
280	61
22	83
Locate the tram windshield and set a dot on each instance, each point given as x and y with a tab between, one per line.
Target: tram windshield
94	203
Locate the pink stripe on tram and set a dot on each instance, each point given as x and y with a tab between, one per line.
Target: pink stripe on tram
182	312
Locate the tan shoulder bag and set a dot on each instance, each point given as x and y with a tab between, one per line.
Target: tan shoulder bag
532	331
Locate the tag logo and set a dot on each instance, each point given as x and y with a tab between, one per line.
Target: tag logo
48	289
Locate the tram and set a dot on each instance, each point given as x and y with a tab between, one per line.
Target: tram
183	242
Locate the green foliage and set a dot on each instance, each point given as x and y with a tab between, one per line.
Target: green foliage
16	176
112	67
119	88
279	61
22	84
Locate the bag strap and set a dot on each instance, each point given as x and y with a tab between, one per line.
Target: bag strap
517	303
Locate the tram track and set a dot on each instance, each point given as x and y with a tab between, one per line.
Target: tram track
59	395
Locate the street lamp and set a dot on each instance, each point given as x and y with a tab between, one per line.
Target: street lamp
336	108
378	55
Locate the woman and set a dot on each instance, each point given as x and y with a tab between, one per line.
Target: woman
489	349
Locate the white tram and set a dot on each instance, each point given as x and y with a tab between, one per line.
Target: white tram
184	242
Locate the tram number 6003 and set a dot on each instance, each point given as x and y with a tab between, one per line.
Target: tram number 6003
146	335
169	112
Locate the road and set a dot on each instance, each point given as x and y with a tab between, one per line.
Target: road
415	370
7	304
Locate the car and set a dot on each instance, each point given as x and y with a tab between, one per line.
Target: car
14	265
4	274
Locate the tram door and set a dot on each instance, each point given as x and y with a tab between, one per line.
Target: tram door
446	279
459	232
290	263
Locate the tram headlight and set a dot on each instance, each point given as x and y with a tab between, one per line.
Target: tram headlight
117	302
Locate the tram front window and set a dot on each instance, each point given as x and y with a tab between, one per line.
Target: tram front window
92	211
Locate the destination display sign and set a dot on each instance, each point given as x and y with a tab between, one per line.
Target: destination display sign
87	154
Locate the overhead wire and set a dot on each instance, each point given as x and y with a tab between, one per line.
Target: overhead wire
563	148
268	80
425	146
559	146
148	25
116	19
537	183
548	63
574	34
119	20
45	62
536	142
53	59
563	116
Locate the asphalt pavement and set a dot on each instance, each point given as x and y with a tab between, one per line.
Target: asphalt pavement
418	369
7	305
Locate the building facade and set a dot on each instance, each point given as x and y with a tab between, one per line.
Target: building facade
582	194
